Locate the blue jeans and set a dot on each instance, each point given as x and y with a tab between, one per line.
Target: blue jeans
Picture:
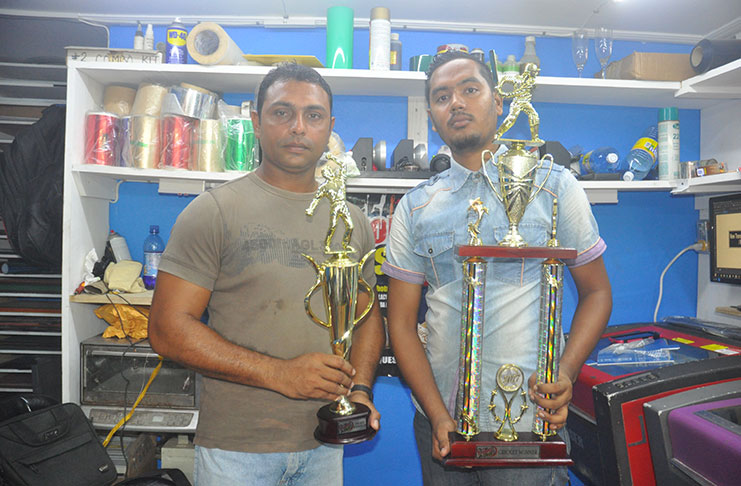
435	474
320	466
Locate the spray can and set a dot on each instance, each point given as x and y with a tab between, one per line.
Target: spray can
380	39
668	143
175	52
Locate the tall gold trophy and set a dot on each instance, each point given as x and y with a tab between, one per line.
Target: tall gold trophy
340	278
517	169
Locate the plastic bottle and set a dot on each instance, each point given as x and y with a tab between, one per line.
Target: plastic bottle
529	56
175	52
668	143
153	248
149	38
510	67
642	156
380	39
603	160
139	37
395	60
118	246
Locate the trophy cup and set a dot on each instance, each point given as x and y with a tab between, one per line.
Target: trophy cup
342	421
517	169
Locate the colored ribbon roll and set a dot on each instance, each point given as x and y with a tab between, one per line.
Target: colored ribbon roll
144	140
148	100
208	146
709	54
339	37
209	44
194	101
239	141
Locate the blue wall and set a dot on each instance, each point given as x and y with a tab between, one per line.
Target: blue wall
643	232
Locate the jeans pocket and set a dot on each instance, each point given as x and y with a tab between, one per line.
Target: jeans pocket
437	250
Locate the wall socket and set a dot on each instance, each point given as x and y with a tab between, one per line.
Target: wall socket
702	232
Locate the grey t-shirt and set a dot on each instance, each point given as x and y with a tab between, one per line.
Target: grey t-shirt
244	242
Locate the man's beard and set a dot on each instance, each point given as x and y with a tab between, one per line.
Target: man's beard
466	143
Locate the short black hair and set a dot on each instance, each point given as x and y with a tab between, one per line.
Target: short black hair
290	71
447	56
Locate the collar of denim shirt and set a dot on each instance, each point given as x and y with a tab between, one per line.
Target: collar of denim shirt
458	175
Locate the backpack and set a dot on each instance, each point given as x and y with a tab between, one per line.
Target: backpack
31	190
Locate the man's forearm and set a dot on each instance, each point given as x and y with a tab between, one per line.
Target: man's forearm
368	342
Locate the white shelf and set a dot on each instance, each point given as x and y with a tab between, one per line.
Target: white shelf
694	93
723	82
98	181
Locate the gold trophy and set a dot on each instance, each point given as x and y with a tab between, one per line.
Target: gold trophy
517	169
342	421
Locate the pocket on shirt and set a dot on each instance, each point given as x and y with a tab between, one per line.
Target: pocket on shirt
437	250
516	271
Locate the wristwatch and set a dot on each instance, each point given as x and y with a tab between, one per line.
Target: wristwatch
363	388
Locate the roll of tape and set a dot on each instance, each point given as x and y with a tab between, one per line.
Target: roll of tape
208	147
195	102
145	141
209	44
118	99
148	99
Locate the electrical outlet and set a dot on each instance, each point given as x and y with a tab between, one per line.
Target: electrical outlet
702	232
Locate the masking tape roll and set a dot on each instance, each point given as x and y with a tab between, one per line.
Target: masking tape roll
118	99
148	99
209	44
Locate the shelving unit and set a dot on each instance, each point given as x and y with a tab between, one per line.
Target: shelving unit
89	189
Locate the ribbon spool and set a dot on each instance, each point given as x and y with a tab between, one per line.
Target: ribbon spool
207	147
118	99
144	138
148	100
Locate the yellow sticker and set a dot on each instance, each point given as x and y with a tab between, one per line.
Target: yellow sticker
682	340
714	347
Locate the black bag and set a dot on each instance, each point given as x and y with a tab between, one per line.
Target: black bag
31	189
54	446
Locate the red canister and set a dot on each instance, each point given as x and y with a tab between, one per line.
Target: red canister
177	138
101	130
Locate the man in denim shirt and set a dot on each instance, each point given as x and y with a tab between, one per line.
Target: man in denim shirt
429	221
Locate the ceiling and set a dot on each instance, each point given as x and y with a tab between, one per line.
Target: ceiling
684	21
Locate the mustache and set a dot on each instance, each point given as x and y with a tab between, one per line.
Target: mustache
458	115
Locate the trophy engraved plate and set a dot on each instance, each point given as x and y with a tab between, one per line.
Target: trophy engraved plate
516	188
340	278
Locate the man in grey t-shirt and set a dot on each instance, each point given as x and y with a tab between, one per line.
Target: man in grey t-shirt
236	251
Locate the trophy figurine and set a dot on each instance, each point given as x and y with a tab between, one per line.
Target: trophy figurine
517	169
342	421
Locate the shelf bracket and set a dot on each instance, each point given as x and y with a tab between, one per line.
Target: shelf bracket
181	186
96	185
602	196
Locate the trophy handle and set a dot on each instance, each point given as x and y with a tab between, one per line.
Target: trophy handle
307	299
542	184
483	166
364	285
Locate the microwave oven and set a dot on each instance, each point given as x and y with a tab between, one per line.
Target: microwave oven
114	372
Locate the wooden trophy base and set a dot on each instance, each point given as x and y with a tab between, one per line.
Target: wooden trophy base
527	451
344	429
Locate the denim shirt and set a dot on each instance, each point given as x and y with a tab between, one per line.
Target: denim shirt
432	219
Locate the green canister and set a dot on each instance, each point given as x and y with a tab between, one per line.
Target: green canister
239	143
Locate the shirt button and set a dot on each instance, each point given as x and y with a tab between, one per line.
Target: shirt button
429	250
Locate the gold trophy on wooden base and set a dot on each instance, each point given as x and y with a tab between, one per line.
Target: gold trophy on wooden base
517	169
340	278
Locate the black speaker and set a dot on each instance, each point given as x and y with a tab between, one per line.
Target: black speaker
362	152
403	156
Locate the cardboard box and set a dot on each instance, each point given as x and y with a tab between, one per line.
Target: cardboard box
651	66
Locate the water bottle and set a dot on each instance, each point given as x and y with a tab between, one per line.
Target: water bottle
603	160
153	248
642	156
175	52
